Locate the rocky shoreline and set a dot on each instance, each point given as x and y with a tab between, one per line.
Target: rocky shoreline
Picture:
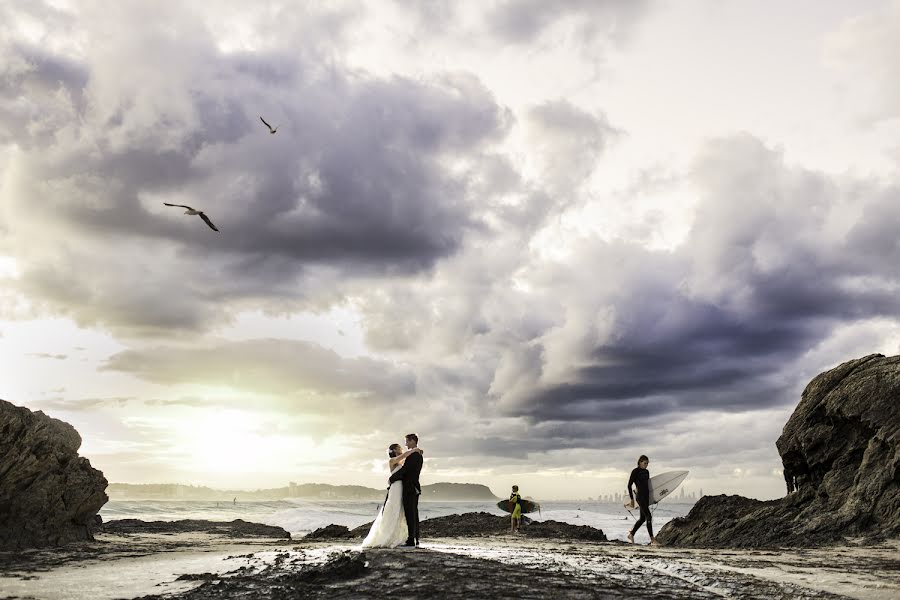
538	569
837	537
200	561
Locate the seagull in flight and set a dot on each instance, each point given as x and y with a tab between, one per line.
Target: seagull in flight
269	126
194	211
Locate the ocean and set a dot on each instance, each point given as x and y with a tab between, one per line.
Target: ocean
300	517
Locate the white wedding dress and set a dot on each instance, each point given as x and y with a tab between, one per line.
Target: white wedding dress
389	529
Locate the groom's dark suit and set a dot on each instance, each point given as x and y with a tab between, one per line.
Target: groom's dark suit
409	474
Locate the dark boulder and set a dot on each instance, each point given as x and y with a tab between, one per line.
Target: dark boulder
843	444
48	494
231	529
334	532
731	522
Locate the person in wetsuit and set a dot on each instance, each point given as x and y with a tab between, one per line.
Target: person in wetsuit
789	480
640	479
516	518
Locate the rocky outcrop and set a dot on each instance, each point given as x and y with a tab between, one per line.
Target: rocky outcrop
843	444
732	522
231	529
334	532
475	524
48	494
457	492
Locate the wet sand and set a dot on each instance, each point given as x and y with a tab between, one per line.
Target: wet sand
123	566
198	566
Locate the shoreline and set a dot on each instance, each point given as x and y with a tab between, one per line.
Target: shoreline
197	565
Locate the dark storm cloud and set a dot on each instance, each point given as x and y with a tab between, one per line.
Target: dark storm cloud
31	72
511	443
517	342
360	186
769	269
354	184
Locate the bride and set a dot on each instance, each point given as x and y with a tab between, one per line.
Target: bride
389	529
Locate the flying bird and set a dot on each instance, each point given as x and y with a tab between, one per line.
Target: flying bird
269	126
194	211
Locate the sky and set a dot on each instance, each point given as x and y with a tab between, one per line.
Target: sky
547	237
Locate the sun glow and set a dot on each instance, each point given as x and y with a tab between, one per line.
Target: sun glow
234	441
9	267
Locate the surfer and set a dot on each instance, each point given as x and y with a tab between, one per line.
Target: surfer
515	500
640	478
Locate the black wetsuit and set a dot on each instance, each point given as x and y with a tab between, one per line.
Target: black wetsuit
789	480
641	480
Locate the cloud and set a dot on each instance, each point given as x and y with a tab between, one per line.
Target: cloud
46	355
522	21
354	185
860	50
768	270
462	231
588	349
288	369
569	142
191	401
82	404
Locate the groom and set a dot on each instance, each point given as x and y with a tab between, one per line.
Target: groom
409	474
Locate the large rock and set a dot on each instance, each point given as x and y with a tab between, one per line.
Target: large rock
237	528
843	442
48	494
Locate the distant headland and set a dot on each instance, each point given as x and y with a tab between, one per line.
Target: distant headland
437	492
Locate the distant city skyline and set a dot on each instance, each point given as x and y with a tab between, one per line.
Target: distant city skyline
616	497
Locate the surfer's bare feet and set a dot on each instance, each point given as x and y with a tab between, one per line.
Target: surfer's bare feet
631	537
653	542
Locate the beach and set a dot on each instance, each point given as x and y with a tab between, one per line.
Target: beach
218	563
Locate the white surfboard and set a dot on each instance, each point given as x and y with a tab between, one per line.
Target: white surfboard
664	484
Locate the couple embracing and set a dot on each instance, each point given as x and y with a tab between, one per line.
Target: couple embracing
399	516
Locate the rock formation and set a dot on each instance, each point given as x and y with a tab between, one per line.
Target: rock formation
843	444
232	529
474	524
48	494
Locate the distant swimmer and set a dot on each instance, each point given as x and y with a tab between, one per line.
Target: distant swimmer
640	478
234	501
